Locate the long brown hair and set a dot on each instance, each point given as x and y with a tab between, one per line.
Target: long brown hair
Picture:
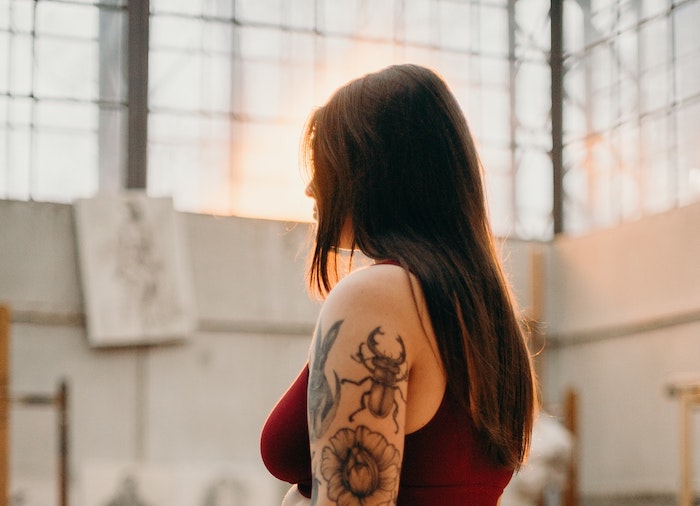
392	152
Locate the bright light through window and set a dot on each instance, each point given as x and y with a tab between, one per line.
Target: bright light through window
232	83
229	101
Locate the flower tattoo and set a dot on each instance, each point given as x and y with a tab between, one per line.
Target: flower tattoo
360	466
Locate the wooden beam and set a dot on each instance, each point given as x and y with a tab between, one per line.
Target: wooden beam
4	403
63	467
570	493
137	135
685	386
556	62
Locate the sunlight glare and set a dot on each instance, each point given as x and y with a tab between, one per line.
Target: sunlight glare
270	183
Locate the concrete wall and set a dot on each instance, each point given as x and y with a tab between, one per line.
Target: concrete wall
622	318
176	413
621	314
180	409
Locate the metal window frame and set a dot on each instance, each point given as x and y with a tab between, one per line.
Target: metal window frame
137	135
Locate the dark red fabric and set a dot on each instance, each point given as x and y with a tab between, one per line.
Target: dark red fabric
443	462
284	442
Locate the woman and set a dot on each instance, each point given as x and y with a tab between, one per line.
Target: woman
419	388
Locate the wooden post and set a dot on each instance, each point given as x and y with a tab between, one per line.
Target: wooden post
687	388
570	493
4	403
684	499
63	471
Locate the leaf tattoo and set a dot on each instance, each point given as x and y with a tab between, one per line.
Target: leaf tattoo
323	402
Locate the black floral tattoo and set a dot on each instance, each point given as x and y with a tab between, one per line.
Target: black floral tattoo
386	373
323	402
360	466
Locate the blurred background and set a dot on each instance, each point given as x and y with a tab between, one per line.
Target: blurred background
587	118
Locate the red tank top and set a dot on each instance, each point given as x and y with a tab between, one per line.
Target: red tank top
443	463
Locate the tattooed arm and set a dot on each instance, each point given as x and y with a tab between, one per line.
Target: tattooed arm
361	356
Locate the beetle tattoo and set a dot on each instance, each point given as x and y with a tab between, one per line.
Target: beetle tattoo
385	372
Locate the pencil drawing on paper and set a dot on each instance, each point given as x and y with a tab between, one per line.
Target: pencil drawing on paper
134	270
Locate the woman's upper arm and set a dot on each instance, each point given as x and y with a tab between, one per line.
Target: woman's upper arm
357	395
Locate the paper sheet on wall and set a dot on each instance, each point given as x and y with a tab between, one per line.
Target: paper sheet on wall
135	271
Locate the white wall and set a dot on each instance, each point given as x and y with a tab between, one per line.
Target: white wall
622	317
198	403
622	312
201	402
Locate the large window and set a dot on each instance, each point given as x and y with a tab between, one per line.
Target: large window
632	109
60	76
230	86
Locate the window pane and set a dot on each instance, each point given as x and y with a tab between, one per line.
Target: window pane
602	19
655	91
60	115
655	154
689	153
112	57
186	7
66	164
685	23
66	69
22	15
4	65
576	186
19	64
575	114
353	17
177	33
267	181
299	13
574	21
499	180
600	180
16	143
252	11
688	76
419	21
629	171
653	41
533	32
183	145
534	179
59	19
112	147
626	62
532	101
455	19
494	30
653	7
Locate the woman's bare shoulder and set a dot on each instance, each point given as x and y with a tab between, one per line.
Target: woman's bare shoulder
380	294
383	283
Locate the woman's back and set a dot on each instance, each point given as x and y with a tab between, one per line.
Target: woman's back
445	463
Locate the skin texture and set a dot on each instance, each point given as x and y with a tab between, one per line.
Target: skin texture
371	338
